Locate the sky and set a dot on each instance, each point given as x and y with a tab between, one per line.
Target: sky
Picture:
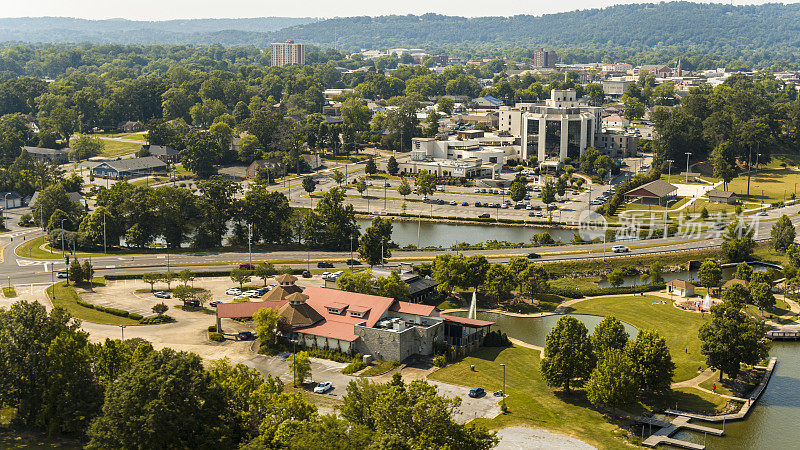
190	9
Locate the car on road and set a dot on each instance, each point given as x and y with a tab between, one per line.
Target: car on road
484	216
620	249
247	266
214	303
323	387
324	265
453	203
246	336
353	262
62	274
762	214
233	291
534	255
478	204
161	294
369	183
386	184
306	274
476	392
464	203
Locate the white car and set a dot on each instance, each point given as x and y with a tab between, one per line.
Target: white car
325	275
233	291
762	213
323	387
251	294
620	249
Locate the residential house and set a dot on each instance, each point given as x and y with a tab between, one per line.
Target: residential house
48	155
130	127
274	164
313	160
163	152
130	168
721	196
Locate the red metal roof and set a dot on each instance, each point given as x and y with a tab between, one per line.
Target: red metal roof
332	329
465	321
247	309
412	308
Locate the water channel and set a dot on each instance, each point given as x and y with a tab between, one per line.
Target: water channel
773	424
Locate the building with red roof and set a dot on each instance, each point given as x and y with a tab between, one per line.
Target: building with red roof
350	322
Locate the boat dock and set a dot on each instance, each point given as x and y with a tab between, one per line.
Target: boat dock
667	429
786	334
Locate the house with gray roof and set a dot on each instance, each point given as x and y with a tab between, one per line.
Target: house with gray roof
163	152
49	155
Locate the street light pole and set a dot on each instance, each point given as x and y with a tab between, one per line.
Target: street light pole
105	251
686	177
250	242
504	386
122	328
62	237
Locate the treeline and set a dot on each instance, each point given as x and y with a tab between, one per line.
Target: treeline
125	394
208	218
730	124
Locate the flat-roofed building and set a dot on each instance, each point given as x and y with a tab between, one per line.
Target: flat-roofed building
288	53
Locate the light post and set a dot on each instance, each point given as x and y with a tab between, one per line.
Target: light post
250	242
686	177
62	237
105	251
6	207
669	170
504	386
122	329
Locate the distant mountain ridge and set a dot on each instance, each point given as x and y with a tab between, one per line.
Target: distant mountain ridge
772	29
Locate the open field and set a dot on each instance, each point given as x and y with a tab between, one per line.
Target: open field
116	148
768	186
678	327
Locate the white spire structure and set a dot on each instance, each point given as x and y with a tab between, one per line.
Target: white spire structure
473	307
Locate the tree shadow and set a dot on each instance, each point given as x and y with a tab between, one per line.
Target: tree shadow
685	401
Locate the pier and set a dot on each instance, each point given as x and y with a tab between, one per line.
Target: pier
667	429
785	334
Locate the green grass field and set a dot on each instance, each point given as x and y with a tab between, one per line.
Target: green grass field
678	327
116	148
769	185
66	297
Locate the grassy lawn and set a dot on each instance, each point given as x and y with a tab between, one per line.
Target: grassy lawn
678	327
530	401
67	298
32	249
116	148
575	283
379	368
768	185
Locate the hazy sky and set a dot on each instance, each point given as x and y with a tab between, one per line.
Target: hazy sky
177	9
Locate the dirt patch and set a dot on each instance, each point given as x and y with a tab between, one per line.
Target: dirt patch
513	438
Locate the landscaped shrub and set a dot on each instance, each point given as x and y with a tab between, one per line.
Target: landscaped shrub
496	339
353	367
135	316
212	328
155	320
217	337
439	361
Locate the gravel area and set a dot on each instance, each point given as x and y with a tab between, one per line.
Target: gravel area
513	438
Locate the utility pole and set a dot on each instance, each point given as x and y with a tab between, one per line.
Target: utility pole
669	170
504	386
62	237
250	242
105	251
686	177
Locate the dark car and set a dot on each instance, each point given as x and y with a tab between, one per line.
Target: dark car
478	204
534	256
464	203
247	266
476	392
214	303
324	265
484	216
246	336
353	262
306	274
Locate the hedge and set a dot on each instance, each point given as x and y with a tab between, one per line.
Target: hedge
155	320
201	273
114	311
580	293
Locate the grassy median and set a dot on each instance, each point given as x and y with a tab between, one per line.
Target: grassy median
66	297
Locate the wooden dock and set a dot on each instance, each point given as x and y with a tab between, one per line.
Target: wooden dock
783	334
667	429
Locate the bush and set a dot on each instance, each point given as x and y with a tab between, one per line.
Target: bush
580	293
353	367
496	339
439	361
135	316
114	311
212	328
216	337
155	320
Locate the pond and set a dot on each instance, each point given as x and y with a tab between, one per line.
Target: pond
533	330
404	232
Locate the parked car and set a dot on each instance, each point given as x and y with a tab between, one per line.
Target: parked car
246	336
324	265
252	294
306	274
534	255
477	191
476	392
464	203
620	249
247	266
233	291
214	303
323	387
161	294
484	216
453	203
386	184
353	262
62	274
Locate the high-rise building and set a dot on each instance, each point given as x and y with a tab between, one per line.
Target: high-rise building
287	53
544	58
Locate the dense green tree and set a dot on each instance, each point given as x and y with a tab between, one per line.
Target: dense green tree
609	334
404	188
710	273
652	361
782	234
499	281
616	277
613	383
533	280
391	166
375	244
743	271
518	191
85	147
736	294
761	295
425	183
568	355
732	338
202	153
738	243
141	407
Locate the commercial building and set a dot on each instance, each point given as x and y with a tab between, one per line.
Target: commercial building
721	197
544	58
163	152
130	168
288	53
617	143
615	87
48	155
350	322
471	158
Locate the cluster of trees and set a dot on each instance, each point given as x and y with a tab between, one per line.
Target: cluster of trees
614	369
644	93
141	215
365	283
730	124
125	394
496	280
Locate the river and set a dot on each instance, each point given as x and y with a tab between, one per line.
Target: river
773	424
